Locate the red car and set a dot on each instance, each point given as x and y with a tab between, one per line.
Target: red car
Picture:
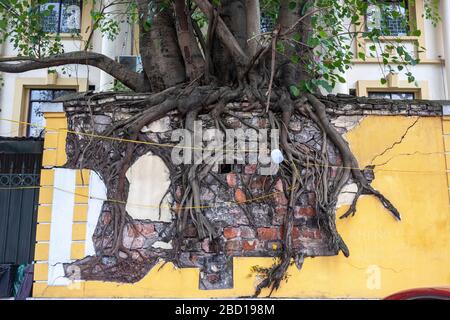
436	293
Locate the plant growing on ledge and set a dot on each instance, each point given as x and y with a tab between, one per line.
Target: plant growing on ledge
199	57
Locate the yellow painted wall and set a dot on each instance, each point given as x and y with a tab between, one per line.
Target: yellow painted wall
385	256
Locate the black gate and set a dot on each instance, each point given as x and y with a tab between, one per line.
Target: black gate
20	165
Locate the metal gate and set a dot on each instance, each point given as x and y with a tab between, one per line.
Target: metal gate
20	165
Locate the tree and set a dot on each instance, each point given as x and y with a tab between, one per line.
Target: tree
199	55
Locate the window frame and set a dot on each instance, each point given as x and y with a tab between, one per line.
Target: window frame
393	84
416	22
30	102
58	25
390	93
408	14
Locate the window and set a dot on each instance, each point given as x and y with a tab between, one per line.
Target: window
390	16
64	17
392	95
38	99
267	22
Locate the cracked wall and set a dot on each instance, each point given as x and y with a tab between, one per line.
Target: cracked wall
411	173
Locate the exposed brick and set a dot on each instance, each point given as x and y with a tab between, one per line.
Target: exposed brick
233	245
106	217
213	277
239	195
311	198
190	231
295	232
247	232
230	232
147	229
297	243
133	242
231	179
250	169
249	245
206	245
280	212
280	199
268	233
258	182
279	185
300	212
310	233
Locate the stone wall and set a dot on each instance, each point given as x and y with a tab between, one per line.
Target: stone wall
247	227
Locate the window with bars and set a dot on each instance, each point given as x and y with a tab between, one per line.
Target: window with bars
267	22
64	16
392	95
390	16
38	99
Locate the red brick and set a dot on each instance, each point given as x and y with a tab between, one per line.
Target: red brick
147	229
233	245
231	179
297	243
280	199
205	245
268	233
250	169
304	212
249	245
213	277
296	232
311	233
258	182
281	210
107	217
190	231
312	199
247	232
279	185
230	232
239	195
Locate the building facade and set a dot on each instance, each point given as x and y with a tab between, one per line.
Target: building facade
411	146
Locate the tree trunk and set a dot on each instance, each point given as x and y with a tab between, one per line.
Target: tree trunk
158	45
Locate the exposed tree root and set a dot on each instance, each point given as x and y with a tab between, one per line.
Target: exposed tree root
307	168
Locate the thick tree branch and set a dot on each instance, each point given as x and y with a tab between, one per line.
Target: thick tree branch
225	35
158	45
131	79
192	56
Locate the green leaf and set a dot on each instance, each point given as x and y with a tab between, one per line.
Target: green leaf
294	90
292	5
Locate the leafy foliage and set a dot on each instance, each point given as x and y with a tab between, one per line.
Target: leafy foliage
337	27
